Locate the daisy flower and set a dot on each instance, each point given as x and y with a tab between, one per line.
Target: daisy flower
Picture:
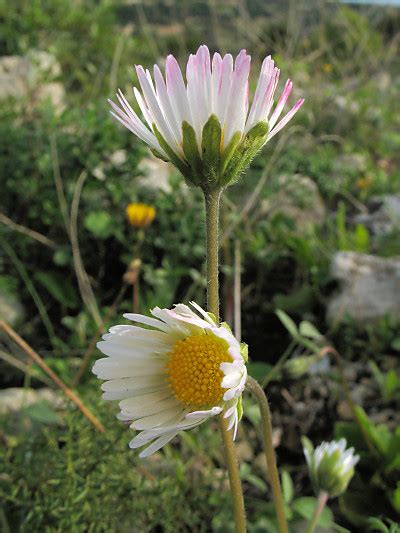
331	466
204	125
171	373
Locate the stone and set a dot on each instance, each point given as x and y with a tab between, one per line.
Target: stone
369	288
34	76
383	214
155	174
15	76
11	308
15	398
297	198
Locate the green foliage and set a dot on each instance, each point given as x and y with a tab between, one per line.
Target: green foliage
375	491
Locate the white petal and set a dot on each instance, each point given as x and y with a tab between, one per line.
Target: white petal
166	105
156	419
236	111
205	315
231	380
157	444
148	321
286	119
224	87
177	91
135	126
117	389
204	414
154	107
107	368
281	104
139	407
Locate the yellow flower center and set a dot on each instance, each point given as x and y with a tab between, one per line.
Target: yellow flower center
193	370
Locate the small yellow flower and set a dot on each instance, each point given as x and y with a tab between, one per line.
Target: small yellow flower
364	183
327	68
140	215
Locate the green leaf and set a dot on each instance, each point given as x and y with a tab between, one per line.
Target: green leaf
287	486
396	344
100	224
377	525
396	499
43	413
59	288
305	508
306	329
361	238
288	323
259	370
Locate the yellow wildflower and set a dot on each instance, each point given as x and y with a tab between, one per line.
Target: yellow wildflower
140	215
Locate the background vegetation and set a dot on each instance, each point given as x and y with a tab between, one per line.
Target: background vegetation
68	172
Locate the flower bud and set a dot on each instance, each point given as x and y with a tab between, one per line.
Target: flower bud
330	466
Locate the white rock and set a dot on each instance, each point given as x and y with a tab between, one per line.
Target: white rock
15	398
369	287
11	308
297	198
155	174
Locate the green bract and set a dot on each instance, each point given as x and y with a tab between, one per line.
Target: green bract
214	167
330	466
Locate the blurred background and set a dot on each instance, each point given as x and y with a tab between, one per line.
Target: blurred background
312	230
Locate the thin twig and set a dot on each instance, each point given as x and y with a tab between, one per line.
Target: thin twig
119	47
92	345
22	271
27	369
70	222
258	392
58	181
27	231
83	278
39	361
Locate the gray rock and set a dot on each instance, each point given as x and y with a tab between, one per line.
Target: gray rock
32	76
297	198
369	287
15	76
15	398
11	308
155	174
383	214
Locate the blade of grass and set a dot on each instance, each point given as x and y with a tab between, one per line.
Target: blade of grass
60	384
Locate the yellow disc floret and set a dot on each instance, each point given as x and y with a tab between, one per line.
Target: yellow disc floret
193	370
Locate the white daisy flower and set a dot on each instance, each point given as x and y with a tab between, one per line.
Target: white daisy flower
204	126
330	465
173	374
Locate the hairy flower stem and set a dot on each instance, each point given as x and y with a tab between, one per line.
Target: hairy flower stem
322	499
258	392
212	199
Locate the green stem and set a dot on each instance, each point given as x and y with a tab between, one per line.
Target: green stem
212	199
258	392
322	499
